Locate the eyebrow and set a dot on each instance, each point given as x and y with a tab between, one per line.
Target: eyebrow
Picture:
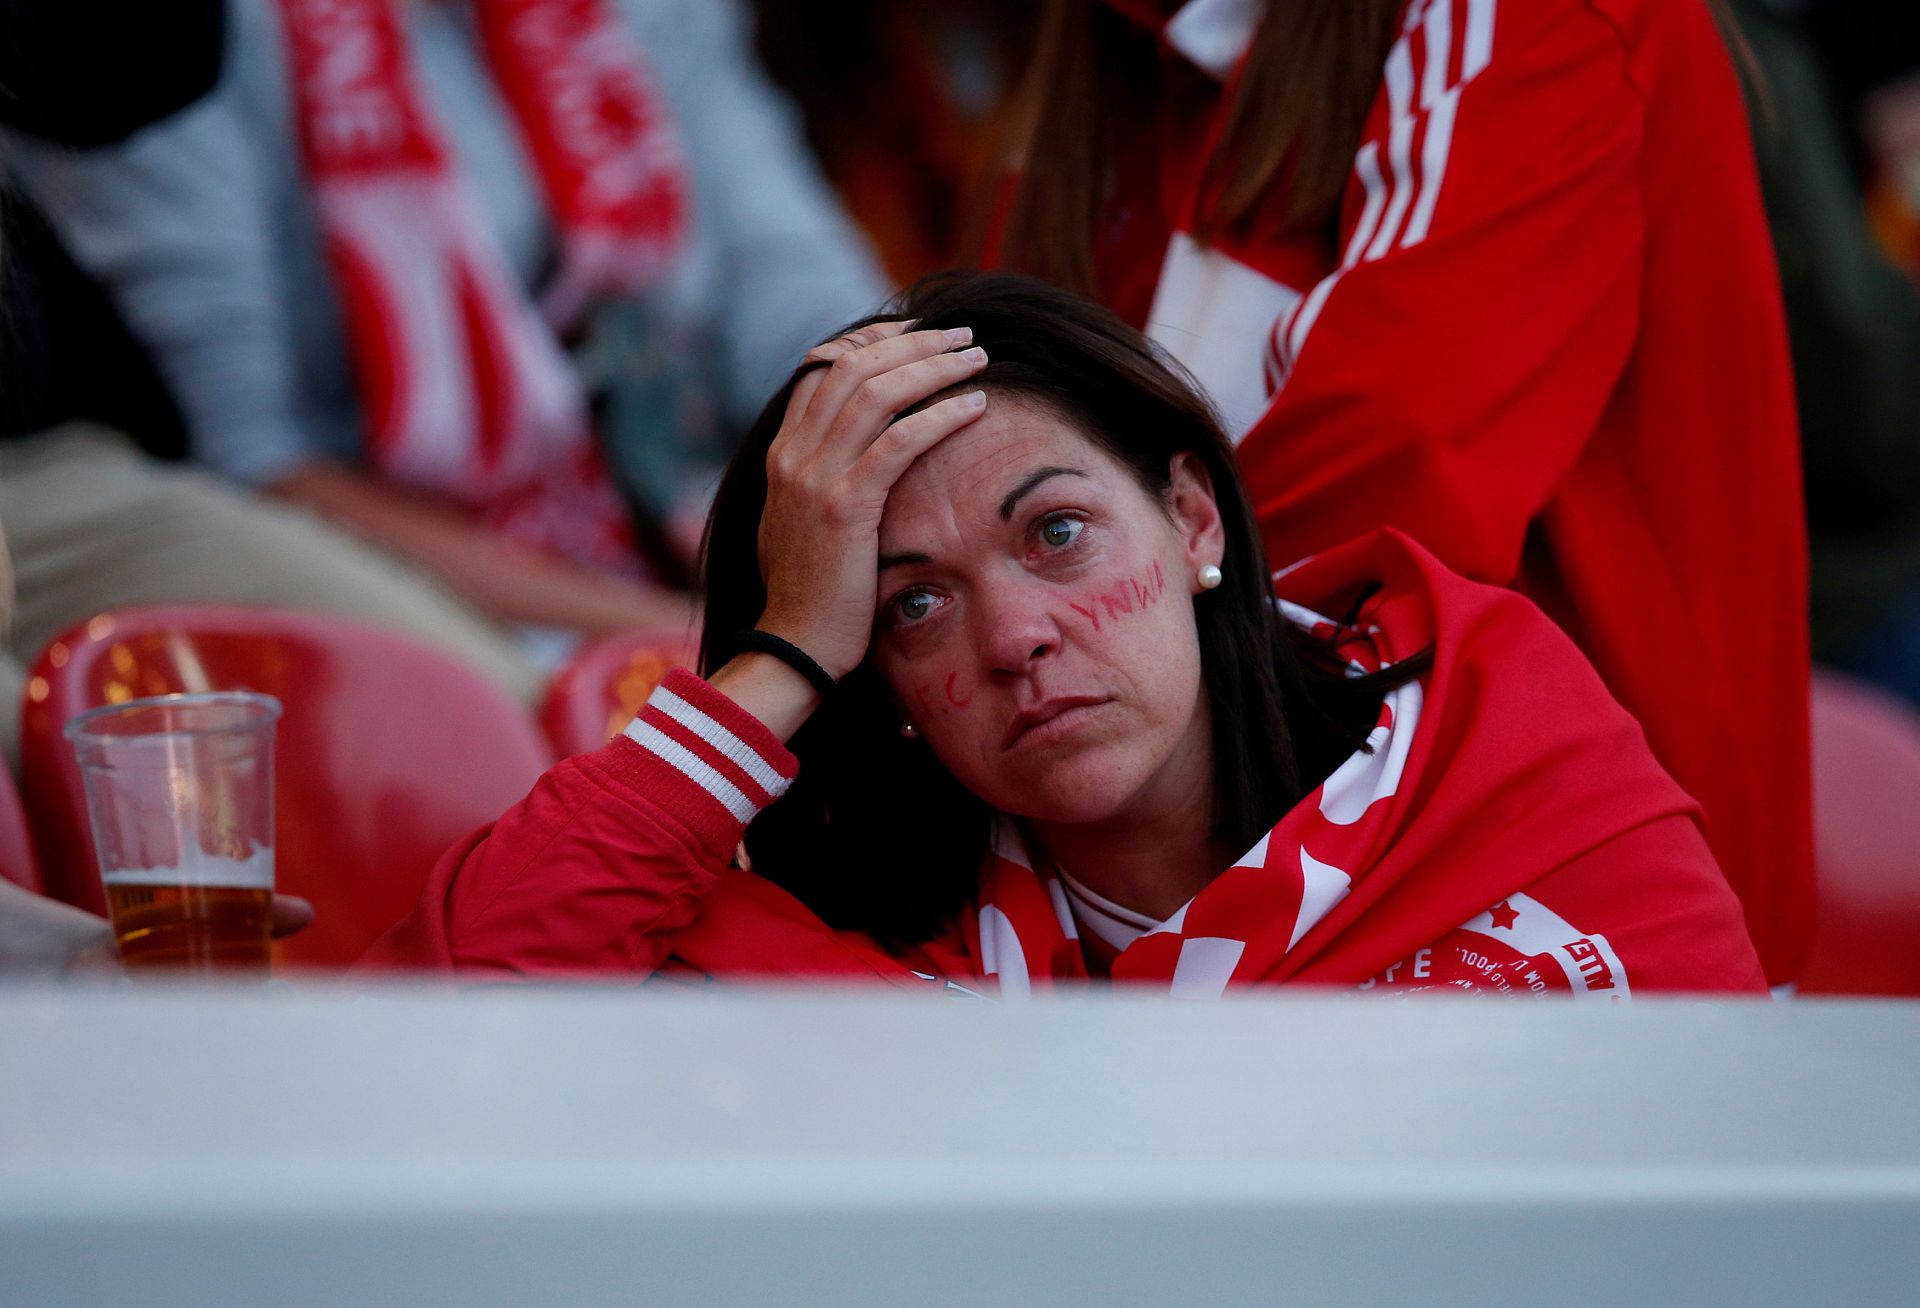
1007	505
1032	480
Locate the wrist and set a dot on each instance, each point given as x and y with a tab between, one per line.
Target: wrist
767	639
704	758
769	689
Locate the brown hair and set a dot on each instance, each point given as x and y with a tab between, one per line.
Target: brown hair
1295	114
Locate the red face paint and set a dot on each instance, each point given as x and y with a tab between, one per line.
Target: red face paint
952	698
1133	594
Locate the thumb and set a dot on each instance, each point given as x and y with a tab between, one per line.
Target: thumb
290	914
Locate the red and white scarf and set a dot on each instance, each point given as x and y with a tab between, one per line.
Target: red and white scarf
466	390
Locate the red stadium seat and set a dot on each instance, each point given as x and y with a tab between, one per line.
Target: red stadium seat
592	698
388	752
1866	808
16	846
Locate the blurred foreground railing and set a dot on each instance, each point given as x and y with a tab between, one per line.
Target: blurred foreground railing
596	1146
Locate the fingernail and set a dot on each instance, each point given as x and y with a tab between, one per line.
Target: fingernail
975	399
975	355
958	336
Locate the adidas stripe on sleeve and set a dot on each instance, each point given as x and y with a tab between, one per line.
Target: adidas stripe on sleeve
707	760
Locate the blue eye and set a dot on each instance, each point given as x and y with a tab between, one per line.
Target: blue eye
1061	531
914	605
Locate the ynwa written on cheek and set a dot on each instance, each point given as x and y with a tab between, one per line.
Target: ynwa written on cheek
1124	599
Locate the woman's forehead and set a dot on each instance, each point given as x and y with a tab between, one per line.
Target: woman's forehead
985	460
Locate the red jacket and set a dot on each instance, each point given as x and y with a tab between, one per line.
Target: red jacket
1548	343
1507	832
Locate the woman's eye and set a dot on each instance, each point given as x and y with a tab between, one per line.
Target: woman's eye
1061	531
914	605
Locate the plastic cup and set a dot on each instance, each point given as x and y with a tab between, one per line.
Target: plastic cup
180	798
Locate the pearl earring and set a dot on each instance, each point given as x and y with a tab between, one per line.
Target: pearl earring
1208	576
908	731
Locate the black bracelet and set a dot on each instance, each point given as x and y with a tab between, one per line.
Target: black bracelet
765	642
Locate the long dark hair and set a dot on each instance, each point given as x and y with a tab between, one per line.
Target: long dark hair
1293	120
876	835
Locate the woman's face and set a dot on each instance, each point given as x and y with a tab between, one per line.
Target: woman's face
1036	619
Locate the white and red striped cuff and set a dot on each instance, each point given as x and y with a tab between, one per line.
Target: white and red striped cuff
726	765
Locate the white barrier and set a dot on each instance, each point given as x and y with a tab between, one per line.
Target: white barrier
588	1147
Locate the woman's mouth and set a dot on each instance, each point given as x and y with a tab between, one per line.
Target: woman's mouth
1048	722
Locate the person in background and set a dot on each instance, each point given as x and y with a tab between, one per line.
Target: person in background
993	573
93	522
1493	272
369	325
907	104
47	315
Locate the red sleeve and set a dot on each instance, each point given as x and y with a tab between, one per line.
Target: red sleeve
611	855
1646	912
1487	300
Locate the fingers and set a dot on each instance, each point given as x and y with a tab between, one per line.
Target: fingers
820	357
813	368
813	374
97	957
906	440
290	914
870	410
854	365
871	334
836	411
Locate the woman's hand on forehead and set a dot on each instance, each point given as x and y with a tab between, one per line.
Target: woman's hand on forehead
839	452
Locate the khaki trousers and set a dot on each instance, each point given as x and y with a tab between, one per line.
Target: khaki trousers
92	524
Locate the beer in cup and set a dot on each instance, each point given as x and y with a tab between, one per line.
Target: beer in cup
180	799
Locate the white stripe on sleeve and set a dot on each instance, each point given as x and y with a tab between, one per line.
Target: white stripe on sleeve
724	741
1479	50
1433	166
1367	165
1399	145
656	741
1439	36
1439	103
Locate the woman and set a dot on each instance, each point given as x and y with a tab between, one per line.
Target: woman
1496	273
1007	601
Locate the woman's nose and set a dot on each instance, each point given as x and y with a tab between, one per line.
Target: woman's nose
1018	630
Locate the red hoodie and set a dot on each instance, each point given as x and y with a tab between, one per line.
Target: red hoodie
1547	342
1506	831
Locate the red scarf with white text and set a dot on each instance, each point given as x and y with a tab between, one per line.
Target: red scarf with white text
466	390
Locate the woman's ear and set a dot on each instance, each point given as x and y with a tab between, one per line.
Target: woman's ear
1195	513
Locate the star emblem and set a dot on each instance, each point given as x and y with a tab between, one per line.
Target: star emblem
1504	914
